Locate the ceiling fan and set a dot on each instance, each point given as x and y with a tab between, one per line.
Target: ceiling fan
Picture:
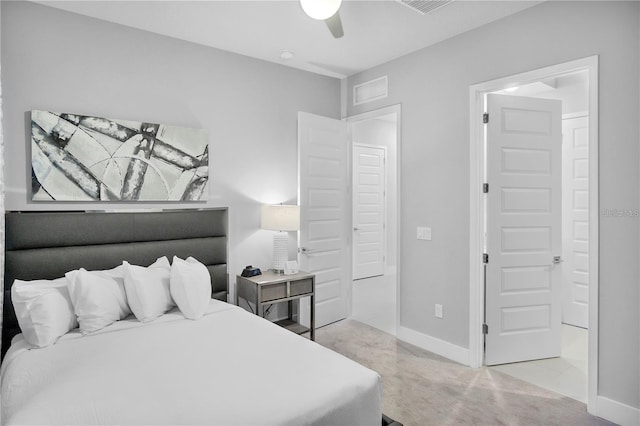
327	11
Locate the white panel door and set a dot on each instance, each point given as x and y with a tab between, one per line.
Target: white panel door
368	211
325	212
523	284
575	221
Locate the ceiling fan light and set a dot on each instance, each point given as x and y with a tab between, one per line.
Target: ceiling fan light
320	9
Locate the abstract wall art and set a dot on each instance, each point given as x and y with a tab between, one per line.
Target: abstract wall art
82	158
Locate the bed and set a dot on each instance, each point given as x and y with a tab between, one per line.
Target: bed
228	367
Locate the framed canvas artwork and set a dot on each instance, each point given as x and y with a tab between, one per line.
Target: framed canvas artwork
82	158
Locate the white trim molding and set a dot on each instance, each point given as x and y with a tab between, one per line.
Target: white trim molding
617	412
432	344
477	94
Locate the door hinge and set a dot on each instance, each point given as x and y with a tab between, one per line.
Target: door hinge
485	258
485	118
485	329
485	188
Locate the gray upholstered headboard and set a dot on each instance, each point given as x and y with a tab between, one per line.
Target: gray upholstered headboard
46	245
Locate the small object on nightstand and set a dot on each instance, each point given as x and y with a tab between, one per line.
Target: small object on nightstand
250	271
291	267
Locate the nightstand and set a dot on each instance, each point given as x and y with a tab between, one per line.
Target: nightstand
271	287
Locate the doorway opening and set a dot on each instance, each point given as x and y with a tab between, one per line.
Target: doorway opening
375	138
575	83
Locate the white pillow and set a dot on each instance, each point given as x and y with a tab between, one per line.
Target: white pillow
98	297
148	289
190	286
43	309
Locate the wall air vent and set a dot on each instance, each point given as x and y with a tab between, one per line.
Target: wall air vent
370	90
424	6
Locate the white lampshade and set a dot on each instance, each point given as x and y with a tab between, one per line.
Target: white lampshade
320	9
280	217
283	219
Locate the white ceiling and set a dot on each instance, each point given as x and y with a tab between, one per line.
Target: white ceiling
375	31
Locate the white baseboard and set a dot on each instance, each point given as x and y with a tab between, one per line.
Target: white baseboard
435	345
617	412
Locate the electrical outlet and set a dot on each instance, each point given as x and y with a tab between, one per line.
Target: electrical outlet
438	310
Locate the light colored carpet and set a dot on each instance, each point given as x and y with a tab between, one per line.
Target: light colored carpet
421	388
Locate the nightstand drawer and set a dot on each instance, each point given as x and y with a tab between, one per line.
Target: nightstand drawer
274	291
301	287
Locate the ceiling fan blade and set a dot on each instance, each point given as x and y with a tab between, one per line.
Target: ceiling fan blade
335	25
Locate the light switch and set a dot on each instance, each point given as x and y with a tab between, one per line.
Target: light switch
423	233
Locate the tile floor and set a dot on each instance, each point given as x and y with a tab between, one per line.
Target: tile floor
422	389
566	375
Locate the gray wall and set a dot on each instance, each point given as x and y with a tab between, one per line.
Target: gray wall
58	61
433	87
1	181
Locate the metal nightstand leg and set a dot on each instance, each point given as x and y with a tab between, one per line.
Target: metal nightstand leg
313	317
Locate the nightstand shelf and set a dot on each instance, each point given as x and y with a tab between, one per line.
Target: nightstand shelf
271	287
291	325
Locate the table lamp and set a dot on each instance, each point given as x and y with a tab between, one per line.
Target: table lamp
281	218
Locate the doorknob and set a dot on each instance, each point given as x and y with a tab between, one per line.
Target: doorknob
305	250
355	228
557	259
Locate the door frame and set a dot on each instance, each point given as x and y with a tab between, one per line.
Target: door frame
392	109
477	93
353	203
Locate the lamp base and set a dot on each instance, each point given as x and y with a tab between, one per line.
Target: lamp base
280	252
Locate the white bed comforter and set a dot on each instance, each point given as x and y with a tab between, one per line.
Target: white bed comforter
228	368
